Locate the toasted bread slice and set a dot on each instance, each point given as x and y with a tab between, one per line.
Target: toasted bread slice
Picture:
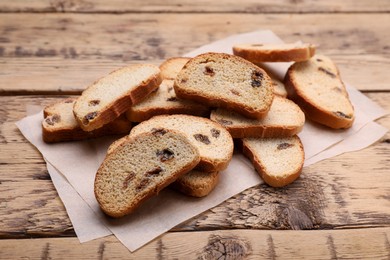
284	119
59	124
316	86
223	80
283	52
112	95
171	67
279	161
140	167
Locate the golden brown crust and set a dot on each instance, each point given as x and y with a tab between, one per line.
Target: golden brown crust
172	66
198	190
275	55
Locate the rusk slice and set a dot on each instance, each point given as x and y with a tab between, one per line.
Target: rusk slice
140	167
112	95
171	67
194	183
279	161
214	142
164	102
284	119
60	125
316	86
283	52
223	80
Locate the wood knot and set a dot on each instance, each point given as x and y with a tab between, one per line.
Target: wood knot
219	247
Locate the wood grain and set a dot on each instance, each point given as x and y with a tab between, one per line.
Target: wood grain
246	6
334	194
372	243
46	53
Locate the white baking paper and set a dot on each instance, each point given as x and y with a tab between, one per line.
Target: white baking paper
75	164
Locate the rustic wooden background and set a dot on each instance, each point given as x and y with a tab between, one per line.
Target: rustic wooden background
50	49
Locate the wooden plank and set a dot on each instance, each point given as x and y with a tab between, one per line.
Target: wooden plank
58	52
246	6
228	244
334	194
71	76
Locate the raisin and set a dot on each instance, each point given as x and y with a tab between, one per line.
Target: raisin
143	184
165	155
89	117
283	146
319	60
209	71
202	138
224	122
327	72
257	78
172	99
159	131
94	102
341	114
127	179
215	132
154	172
69	101
53	119
235	92
257	45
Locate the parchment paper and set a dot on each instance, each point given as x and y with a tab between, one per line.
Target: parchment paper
73	166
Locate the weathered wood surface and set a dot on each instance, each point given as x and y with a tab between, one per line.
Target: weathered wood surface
343	192
246	6
373	243
46	53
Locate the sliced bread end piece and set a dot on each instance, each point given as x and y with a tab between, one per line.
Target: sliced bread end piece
279	161
172	66
196	183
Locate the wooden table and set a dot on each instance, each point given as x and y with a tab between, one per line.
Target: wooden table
339	208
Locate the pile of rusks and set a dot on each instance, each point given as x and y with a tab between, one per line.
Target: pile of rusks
188	111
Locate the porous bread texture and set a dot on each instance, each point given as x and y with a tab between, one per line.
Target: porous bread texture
214	142
172	66
279	161
112	95
194	183
284	119
283	52
223	80
140	167
59	124
316	86
164	102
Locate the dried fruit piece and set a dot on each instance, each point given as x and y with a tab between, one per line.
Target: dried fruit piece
89	117
224	121
172	99
154	172
143	184
209	71
51	120
256	77
327	72
215	132
165	155
283	146
127	179
159	131
202	138
94	102
341	114
235	92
